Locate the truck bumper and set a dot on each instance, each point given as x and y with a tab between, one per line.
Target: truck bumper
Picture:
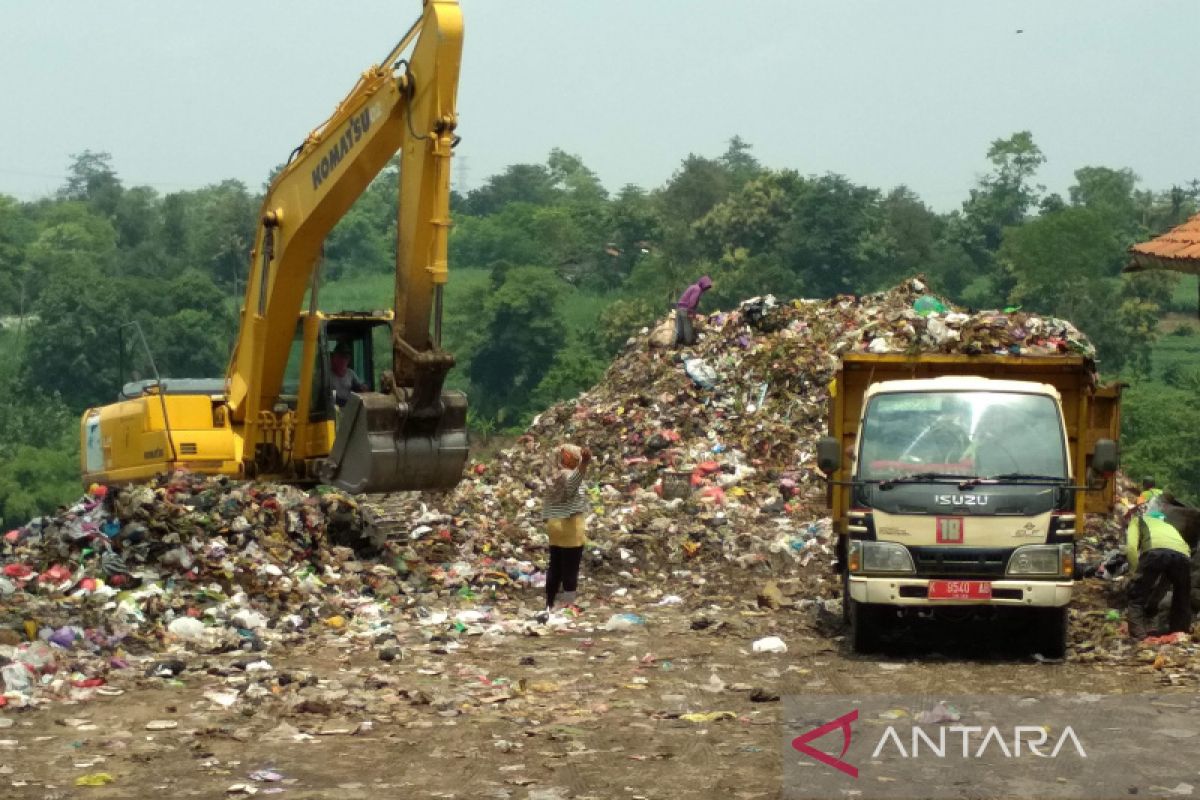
914	592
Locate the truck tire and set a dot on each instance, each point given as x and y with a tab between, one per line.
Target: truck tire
864	626
1050	632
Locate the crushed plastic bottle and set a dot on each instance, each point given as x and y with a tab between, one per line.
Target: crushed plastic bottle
623	622
187	628
17	678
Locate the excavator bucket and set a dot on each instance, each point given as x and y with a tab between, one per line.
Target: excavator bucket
381	446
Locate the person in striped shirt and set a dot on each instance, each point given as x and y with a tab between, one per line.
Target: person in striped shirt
563	508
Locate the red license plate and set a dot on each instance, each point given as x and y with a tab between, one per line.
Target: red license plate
960	590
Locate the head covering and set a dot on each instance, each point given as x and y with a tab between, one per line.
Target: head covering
1151	503
571	453
554	464
342	349
705	283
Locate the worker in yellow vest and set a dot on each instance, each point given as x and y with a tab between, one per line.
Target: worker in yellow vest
1156	551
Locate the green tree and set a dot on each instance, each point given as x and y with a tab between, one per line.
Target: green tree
523	333
825	240
622	319
137	217
220	225
72	347
752	218
39	450
567	240
1058	256
1066	263
698	185
17	230
519	183
70	237
744	275
950	269
364	240
913	230
1001	199
187	344
1160	434
635	229
497	241
576	368
35	480
1109	192
92	179
577	183
740	163
356	246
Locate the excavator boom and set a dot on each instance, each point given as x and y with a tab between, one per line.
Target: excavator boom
275	414
413	435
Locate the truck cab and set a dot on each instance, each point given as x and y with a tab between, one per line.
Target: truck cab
962	492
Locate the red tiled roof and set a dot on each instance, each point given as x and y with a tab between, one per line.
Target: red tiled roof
1178	249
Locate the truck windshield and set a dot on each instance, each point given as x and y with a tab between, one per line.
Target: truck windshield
969	434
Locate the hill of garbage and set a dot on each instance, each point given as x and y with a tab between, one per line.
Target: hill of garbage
704	470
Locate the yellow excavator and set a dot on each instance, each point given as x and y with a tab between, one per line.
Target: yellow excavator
278	413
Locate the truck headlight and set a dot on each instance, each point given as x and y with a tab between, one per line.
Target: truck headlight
1042	559
866	556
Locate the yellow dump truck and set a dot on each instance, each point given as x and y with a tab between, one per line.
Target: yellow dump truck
959	484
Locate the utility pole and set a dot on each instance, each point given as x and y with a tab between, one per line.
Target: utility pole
462	173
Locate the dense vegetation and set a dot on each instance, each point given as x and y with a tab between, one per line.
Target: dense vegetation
553	273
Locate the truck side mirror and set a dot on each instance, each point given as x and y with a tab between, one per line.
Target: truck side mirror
1105	457
829	454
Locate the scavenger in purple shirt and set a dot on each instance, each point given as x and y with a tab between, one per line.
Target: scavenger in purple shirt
686	308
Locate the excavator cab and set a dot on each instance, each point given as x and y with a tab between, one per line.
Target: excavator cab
387	438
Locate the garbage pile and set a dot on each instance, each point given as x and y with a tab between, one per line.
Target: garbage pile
210	563
1099	631
706	455
703	480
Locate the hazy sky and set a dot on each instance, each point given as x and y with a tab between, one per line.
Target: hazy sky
885	92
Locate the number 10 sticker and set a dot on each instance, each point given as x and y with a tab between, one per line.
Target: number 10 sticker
949	530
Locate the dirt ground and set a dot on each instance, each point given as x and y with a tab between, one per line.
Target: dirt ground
578	712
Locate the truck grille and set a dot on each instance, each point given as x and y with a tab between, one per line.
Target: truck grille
960	562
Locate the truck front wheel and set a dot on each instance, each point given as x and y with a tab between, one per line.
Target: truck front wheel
864	626
1050	630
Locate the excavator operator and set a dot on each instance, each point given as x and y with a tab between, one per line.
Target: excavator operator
344	378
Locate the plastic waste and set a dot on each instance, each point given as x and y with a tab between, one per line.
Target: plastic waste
928	304
623	622
250	620
939	713
17	678
187	628
769	644
1179	637
266	775
64	637
94	779
708	716
699	371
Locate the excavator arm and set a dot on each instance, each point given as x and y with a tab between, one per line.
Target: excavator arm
410	435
